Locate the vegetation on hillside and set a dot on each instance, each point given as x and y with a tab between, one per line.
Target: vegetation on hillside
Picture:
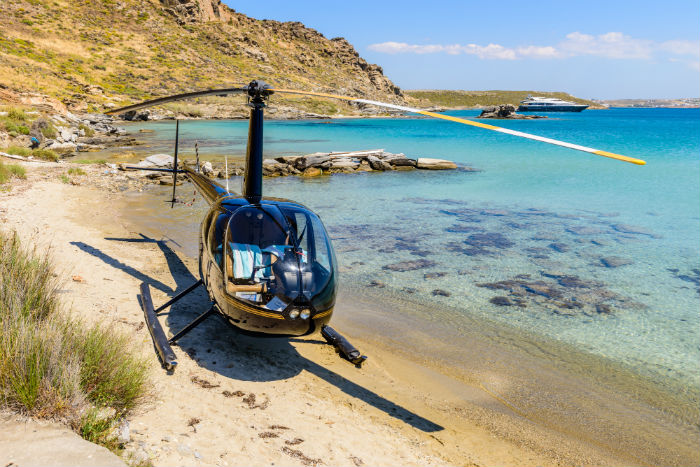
466	99
107	52
51	364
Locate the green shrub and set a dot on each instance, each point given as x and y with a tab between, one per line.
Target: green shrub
16	114
88	131
88	161
97	428
109	375
46	154
49	131
53	365
8	171
17	151
76	171
64	178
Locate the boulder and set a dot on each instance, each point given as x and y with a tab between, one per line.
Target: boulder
160	160
312	172
388	157
312	160
67	135
434	164
403	162
136	115
287	159
505	111
207	169
364	166
63	147
378	164
343	163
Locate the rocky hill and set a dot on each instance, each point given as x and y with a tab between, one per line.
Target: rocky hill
94	54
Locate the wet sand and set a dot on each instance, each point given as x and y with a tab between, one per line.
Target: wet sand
236	400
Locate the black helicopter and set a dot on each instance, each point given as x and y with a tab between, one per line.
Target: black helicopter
268	263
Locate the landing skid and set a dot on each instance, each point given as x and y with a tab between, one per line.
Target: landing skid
342	346
162	343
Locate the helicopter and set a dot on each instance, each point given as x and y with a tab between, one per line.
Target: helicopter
267	263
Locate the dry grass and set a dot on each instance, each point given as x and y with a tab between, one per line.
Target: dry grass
8	171
52	365
46	154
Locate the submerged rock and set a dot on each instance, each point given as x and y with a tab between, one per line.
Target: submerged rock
489	239
441	293
615	261
559	247
634	230
583	230
410	265
566	295
501	301
434	275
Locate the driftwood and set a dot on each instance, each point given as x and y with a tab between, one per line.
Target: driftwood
22	158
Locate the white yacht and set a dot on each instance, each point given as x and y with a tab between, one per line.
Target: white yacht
549	104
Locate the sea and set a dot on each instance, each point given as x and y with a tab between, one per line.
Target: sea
555	245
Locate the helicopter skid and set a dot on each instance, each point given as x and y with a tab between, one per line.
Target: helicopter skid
160	341
343	346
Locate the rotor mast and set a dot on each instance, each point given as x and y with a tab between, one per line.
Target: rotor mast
258	92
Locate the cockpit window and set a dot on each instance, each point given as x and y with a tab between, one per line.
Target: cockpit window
276	257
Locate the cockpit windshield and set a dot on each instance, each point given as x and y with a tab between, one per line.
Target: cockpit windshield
276	257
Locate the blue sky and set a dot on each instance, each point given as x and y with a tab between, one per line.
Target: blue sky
594	49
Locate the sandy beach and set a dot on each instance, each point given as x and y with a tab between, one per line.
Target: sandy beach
236	400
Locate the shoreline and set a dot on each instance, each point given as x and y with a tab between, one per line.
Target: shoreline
491	412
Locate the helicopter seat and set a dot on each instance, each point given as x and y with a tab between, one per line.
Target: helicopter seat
246	257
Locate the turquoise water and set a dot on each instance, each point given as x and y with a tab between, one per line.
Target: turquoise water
527	240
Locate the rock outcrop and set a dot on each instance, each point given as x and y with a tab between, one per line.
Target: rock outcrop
309	165
505	111
191	11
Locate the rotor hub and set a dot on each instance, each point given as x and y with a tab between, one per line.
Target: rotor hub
258	92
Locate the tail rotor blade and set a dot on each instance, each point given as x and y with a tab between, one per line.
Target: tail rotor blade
485	126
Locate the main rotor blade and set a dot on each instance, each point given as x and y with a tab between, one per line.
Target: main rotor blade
178	97
485	126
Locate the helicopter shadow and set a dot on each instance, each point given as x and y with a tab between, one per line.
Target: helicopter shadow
219	347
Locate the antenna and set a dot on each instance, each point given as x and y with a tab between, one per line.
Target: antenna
226	168
196	152
177	137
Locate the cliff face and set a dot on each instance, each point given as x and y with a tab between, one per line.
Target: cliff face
102	53
193	11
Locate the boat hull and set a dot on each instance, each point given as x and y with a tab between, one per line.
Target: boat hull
552	108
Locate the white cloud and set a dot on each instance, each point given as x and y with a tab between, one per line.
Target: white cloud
610	45
494	51
538	52
681	48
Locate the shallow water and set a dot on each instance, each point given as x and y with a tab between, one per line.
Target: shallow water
528	241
